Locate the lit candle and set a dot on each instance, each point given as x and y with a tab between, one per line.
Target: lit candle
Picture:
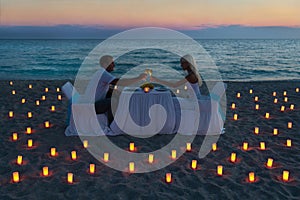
256	98
59	97
146	89
214	146
292	106
13	92
235	117
288	142
233	157
92	168
45	171
297	89
168	177
28	130
257	107
290	124
29	143
115	87
275	131
267	115
46	90
23	100
47	124
73	155
70	178
85	143
19	160
106	157
29	114
262	146
11	83
270	162
185	87
150	158
245	146
238	95
131	146
131	167
251	177
250	91
282	108
43	97
177	91
53	151
275	100
285	99
15	136
174	154
37	102
57	89
274	94
188	146
194	164
52	108
220	170
285	175
10	114
233	105
30	86
284	93
256	130
16	177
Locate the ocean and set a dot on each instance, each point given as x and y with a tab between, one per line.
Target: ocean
236	60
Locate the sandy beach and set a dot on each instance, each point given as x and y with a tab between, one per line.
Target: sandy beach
106	183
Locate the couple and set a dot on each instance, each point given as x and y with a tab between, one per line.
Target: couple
108	81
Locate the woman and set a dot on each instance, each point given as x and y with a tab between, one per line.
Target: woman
188	64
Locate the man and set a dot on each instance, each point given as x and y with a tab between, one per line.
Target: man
104	91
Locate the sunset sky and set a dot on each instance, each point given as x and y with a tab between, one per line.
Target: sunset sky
180	14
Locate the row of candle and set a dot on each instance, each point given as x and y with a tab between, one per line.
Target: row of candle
168	176
238	94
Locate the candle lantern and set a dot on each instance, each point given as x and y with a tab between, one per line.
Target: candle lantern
245	146
256	130
30	86
262	146
29	143
37	102
52	108
174	154
43	97
23	100
267	115
275	131
177	91
235	117
257	107
238	95
46	89
131	167
106	157
188	146
251	177
256	98
47	124
57	89
16	177
73	155
85	143
194	164
92	168
131	147
285	175
19	160
290	124
185	87
285	99
275	100
11	114
15	136
45	171
220	170
282	108
29	114
233	105
292	106
11	83
151	158
59	97
250	91
70	178
214	146
28	130
270	162
168	177
233	157
13	92
297	89
53	152
284	93
288	142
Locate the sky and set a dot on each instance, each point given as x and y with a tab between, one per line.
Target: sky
179	14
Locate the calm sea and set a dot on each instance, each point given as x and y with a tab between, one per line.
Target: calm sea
238	60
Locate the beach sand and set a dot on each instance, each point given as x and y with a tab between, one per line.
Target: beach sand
107	183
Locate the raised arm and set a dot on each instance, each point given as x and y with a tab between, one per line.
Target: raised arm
128	81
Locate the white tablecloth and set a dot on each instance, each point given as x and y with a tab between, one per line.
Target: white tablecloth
141	113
